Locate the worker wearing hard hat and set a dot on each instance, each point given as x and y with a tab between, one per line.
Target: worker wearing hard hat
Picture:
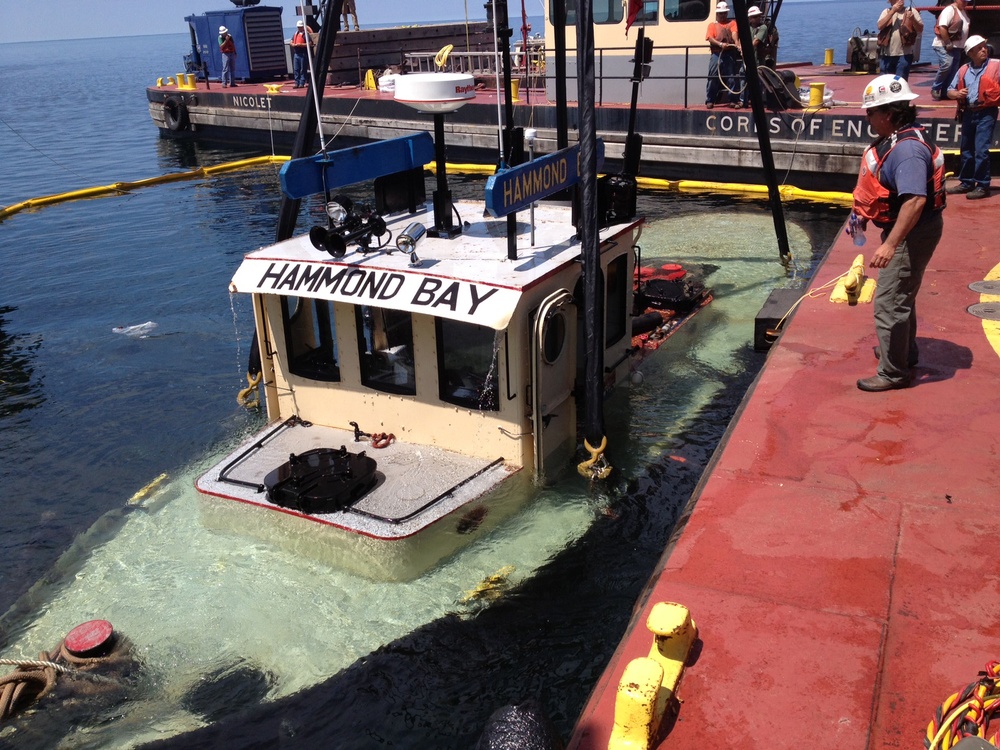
901	191
976	88
724	63
228	49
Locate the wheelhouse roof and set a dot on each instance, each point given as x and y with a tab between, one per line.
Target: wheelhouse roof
467	278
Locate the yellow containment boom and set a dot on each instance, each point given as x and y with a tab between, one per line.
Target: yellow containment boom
119	188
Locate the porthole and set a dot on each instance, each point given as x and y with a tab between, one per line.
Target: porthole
554	340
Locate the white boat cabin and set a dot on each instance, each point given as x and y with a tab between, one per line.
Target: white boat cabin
677	30
449	362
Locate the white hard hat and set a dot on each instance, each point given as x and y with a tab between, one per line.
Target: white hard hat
300	24
973	41
753	11
722	8
223	30
886	89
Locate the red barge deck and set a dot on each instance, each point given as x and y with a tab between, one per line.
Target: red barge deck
837	558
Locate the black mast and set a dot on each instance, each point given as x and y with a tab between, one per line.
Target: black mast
288	211
593	283
763	138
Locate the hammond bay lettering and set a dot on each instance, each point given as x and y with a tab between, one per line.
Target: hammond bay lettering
361	285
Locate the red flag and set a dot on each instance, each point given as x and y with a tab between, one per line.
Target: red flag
634	7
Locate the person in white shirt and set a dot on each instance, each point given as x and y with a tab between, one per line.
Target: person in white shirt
950	33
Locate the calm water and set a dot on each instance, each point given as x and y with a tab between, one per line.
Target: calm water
89	416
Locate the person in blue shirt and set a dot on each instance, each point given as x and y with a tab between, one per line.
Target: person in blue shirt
976	88
901	190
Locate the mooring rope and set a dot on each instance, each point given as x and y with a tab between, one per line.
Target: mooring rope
40	674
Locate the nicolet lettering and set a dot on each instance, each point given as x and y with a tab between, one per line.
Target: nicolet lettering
252	101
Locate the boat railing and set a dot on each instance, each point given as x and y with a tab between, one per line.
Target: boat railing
530	68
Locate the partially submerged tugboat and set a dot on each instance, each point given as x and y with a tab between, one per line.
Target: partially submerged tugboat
413	365
411	369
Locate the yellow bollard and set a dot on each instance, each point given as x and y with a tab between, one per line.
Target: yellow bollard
648	683
159	82
515	89
816	91
828	57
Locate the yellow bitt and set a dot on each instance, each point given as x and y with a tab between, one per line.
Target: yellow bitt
649	682
370	83
854	287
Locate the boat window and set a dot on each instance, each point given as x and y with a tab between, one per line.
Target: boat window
467	365
685	10
615	306
554	337
385	342
650	13
605	11
311	338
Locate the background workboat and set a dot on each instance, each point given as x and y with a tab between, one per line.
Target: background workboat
817	128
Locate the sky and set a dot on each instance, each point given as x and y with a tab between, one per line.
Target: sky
22	21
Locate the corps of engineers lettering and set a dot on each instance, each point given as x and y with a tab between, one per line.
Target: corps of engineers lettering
944	133
374	286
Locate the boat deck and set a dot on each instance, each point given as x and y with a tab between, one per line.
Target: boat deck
837	560
814	147
844	86
417	484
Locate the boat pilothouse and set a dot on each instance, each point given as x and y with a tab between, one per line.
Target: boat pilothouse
416	382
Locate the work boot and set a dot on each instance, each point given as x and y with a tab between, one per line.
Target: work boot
877	383
979	192
961	187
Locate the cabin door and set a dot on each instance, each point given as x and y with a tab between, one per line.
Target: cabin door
553	371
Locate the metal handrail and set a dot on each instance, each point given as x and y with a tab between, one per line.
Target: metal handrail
482	62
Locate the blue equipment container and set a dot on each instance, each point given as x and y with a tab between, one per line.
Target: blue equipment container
259	39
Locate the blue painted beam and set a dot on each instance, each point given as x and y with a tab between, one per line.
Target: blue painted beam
347	166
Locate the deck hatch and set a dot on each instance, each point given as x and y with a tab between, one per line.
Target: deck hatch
985	310
989	286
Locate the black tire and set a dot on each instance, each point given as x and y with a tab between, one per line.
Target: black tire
175	114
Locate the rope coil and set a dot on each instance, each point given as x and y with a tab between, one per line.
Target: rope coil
382	439
966	713
33	679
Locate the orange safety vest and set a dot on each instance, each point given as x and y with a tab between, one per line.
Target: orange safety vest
989	84
299	39
874	201
720	32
